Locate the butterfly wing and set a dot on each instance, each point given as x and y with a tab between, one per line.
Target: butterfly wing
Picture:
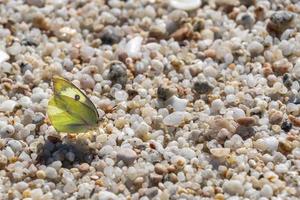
63	87
70	110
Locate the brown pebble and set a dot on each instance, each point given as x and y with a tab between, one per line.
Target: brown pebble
245	131
155	178
294	120
173	178
138	182
182	33
84	167
171	169
160	169
210	53
285	147
246	121
275	117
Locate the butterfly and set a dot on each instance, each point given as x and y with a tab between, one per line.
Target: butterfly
69	109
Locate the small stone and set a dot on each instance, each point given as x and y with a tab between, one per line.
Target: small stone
105	195
121	95
233	187
155	178
266	191
133	47
70	187
267	144
84	167
295	121
36	194
176	118
86	81
217	105
37	3
128	156
275	117
280	21
246	121
220	152
203	87
87	52
160	169
281	169
110	36
51	173
151	192
164	92
3	56
245	131
117	73
21	186
255	48
8	105
41	174
177	103
185	4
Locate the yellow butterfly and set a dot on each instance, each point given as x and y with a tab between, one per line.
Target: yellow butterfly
69	109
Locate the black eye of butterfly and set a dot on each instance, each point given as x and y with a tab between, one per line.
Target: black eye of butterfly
77	97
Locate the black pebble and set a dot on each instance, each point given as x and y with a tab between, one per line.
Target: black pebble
286	126
203	87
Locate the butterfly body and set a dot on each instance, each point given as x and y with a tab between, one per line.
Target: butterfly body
69	109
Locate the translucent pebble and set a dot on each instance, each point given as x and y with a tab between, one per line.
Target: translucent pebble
133	47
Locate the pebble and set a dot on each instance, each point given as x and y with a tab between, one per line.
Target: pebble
133	47
233	187
41	174
8	105
217	105
164	93
266	191
255	48
220	152
128	156
105	195
185	4
84	167
160	169
246	121
203	87
176	118
177	103
269	144
70	187
51	173
117	73
3	56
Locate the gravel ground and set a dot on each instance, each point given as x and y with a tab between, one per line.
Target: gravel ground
199	99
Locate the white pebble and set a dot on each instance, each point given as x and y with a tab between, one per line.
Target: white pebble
121	95
175	118
8	106
36	194
185	4
3	56
70	187
233	187
133	47
51	172
177	103
255	48
266	191
25	102
217	105
281	168
267	144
